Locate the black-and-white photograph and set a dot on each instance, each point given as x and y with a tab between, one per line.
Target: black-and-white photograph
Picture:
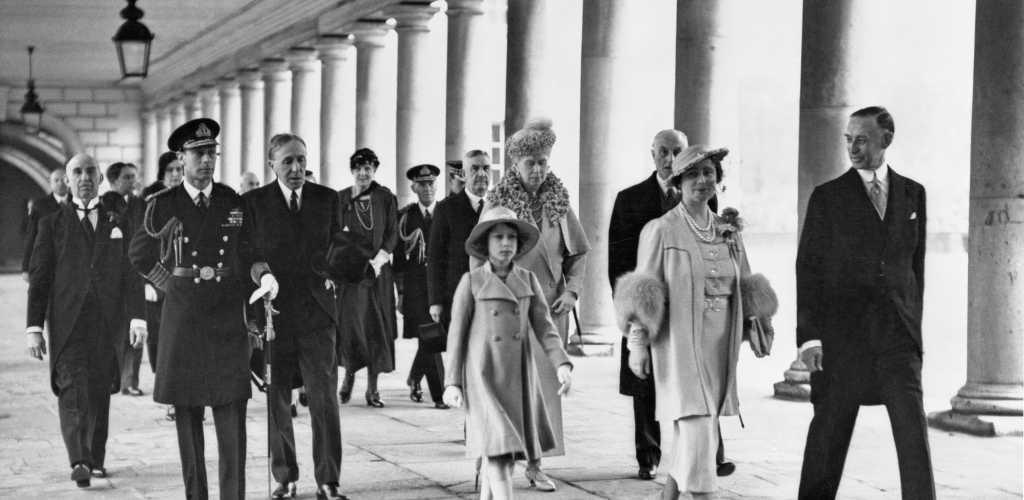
497	249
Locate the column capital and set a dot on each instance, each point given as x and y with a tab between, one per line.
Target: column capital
275	69
369	32
412	16
335	47
302	59
227	85
250	78
461	7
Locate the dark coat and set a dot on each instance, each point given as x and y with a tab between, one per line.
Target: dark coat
131	210
291	243
634	207
41	207
64	269
411	268
849	260
203	350
447	260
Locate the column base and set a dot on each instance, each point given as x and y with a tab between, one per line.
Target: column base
989	399
977	425
796	385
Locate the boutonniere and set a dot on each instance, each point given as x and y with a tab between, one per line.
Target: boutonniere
730	224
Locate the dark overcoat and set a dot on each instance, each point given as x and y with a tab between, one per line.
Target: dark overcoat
203	350
63	269
447	261
850	261
41	207
411	268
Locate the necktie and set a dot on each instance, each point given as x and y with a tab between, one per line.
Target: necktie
877	196
426	216
480	205
293	205
90	232
202	202
671	195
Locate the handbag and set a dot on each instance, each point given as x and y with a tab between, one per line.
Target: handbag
760	334
432	337
759	304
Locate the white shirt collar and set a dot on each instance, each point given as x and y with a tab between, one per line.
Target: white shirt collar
60	199
287	192
92	203
882	172
473	199
427	208
663	183
193	192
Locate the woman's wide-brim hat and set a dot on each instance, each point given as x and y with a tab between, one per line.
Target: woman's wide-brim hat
693	155
476	243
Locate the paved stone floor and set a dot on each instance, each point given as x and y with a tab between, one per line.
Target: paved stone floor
411	451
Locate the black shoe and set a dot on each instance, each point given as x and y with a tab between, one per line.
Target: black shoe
327	491
304	399
80	474
647	473
415	391
295	411
373	400
99	472
725	468
133	391
345	394
440	405
283	490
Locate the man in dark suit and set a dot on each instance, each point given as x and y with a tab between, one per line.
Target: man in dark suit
414	221
127	206
295	222
41	207
80	281
860	280
453	220
197	244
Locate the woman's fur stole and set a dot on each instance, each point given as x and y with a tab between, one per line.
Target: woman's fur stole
759	298
640	298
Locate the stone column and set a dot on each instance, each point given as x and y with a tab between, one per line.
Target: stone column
337	120
277	102
253	145
418	120
990	403
373	119
524	77
177	112
4	90
466	127
151	148
163	127
613	74
230	163
306	102
830	86
193	106
210	97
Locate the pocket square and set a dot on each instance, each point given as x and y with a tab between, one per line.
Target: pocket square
913	215
115	234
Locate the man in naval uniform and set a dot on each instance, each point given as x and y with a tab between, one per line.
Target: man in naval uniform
196	244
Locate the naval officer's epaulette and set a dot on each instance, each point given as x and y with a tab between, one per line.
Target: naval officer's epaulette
159	193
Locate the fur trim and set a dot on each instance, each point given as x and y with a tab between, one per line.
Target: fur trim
640	298
759	298
552	195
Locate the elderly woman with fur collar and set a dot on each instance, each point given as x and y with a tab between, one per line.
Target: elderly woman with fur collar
683	302
559	259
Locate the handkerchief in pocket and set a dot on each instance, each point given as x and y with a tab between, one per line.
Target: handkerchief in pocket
115	234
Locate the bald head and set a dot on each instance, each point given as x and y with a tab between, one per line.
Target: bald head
249	182
666	145
58	182
84	176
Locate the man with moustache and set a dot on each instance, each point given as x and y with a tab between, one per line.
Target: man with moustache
634	207
79	281
295	222
41	207
414	222
197	244
860	284
453	220
130	208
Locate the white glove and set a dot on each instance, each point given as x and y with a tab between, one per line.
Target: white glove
150	293
565	378
137	337
268	287
378	261
452	396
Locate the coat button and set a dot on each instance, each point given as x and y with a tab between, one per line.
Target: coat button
225	238
220	264
515	311
494	312
497	338
196	280
221	251
195	266
194	253
517	336
218	279
186	239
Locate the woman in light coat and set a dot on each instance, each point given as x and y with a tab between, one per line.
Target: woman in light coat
491	361
689	263
536	195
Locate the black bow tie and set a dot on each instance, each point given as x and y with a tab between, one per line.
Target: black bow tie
86	210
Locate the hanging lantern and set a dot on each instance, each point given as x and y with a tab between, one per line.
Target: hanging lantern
31	111
133	40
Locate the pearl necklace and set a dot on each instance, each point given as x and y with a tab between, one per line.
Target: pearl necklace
706	233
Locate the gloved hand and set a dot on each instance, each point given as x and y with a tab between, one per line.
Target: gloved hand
452	396
268	287
565	378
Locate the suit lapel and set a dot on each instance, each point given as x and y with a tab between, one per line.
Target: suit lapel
897	199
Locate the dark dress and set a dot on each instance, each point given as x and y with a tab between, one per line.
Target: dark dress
367	327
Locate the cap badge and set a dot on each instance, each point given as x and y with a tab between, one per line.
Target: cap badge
203	131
